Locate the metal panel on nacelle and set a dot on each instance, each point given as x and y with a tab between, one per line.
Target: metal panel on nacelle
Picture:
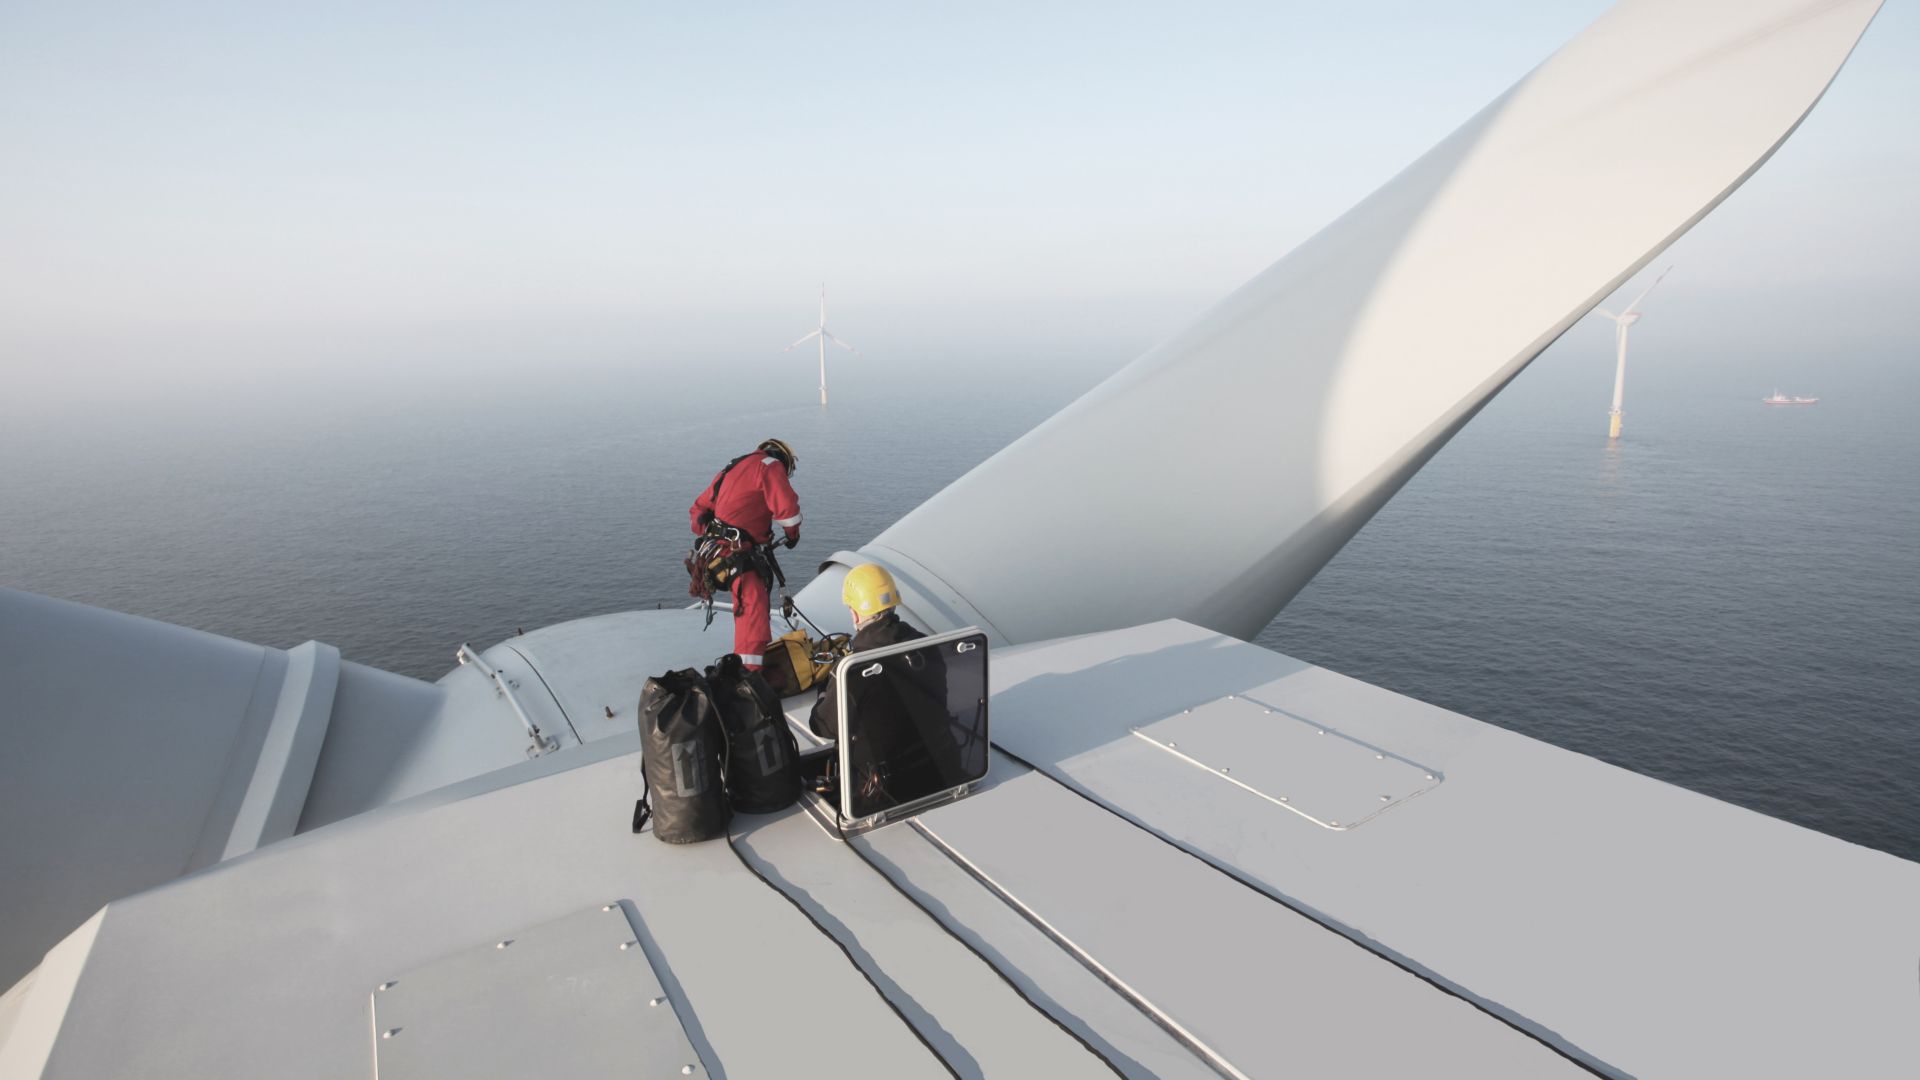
575	997
1306	768
1588	906
1249	448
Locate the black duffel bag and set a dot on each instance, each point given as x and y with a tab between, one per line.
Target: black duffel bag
763	760
680	755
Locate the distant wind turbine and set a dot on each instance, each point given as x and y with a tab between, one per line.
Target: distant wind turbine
821	333
1621	323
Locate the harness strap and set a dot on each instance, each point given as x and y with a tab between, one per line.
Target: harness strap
713	496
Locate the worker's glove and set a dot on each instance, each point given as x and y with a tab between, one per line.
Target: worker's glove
793	540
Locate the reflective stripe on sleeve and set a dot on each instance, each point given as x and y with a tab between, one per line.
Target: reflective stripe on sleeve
788	523
750	658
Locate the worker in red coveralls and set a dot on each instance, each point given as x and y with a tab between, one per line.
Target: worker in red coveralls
745	501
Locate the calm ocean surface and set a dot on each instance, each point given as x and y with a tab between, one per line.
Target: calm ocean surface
1728	600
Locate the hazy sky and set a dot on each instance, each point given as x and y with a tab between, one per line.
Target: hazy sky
190	186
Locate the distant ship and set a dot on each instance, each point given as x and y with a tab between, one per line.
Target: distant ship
1779	398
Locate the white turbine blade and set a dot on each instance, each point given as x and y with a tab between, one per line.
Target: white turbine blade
1383	315
811	334
1607	313
1635	306
842	344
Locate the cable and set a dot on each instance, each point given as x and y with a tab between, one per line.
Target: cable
848	953
839	828
726	759
982	957
787	602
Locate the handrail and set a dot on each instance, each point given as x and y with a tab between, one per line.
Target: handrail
542	743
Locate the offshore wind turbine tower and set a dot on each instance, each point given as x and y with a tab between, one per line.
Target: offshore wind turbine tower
1621	323
820	334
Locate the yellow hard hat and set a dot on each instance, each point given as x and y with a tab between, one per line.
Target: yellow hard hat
778	448
869	590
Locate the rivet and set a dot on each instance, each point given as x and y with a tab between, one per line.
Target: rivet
389	1033
1322	731
1184	712
686	1070
1383	798
1283	798
1379	757
504	944
1429	776
625	945
388	985
1269	712
1224	770
655	1002
1171	745
1229	697
1333	823
606	907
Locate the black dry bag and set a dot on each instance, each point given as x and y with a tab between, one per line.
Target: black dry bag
680	747
763	761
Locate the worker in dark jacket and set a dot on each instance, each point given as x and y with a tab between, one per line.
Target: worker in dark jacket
870	596
746	500
902	747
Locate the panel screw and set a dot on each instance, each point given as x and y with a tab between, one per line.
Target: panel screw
388	985
625	945
1383	798
1429	776
1224	770
1322	731
686	1070
606	907
1171	745
504	944
655	1002
389	1033
1379	757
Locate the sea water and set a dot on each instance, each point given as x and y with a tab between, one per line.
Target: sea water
1728	598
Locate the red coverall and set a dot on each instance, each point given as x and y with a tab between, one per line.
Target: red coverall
754	497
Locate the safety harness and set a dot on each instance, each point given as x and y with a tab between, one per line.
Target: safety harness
723	552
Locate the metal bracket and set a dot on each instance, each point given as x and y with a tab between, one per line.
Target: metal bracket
542	742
